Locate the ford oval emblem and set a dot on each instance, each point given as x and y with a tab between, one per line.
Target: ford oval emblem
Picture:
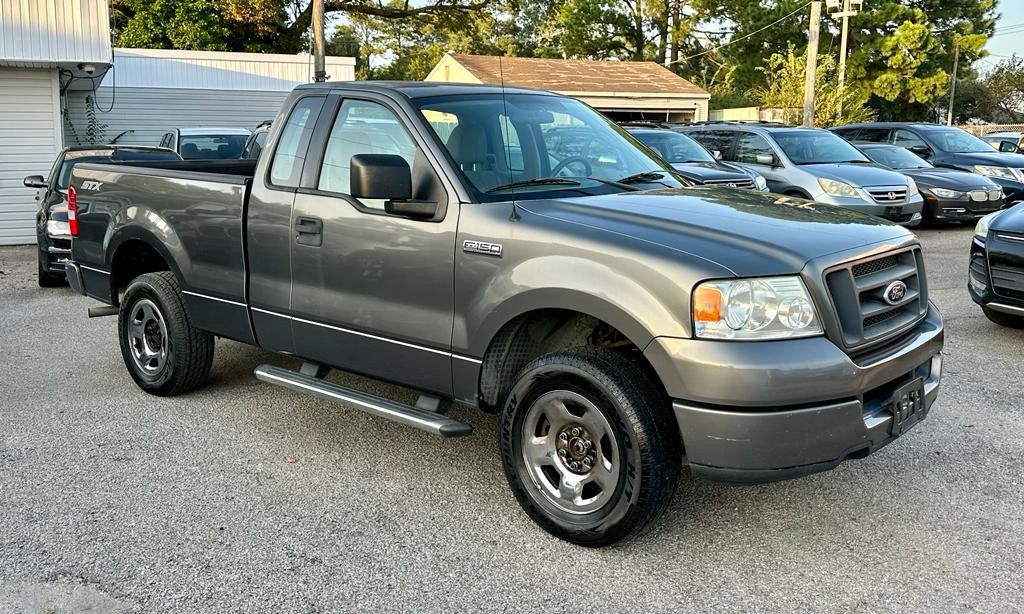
895	292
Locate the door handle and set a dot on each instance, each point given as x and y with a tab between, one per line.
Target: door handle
309	231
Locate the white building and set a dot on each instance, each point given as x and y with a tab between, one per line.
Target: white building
54	54
150	91
42	44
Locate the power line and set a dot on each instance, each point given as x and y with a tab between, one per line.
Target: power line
746	36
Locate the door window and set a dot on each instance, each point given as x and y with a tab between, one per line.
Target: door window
362	127
873	135
286	167
907	139
714	140
749	146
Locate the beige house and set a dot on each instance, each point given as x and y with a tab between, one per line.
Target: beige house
620	90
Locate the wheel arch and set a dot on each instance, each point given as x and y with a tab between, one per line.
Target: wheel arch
135	251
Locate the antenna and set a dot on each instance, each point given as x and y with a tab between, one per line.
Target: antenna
505	127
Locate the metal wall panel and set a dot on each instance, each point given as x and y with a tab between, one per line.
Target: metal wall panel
30	139
45	32
152	111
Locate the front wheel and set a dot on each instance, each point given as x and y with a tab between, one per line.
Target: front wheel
589	446
45	279
164	353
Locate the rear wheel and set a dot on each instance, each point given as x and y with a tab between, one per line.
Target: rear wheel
1004	319
164	353
589	446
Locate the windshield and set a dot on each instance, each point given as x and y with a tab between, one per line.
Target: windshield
816	147
106	156
673	147
957	141
212	146
896	158
532	145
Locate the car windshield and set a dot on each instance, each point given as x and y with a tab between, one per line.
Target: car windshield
673	147
106	156
896	158
212	146
532	145
957	141
817	147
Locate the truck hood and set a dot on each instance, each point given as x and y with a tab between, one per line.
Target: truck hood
749	233
857	175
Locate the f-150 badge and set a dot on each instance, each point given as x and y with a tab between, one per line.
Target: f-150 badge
480	247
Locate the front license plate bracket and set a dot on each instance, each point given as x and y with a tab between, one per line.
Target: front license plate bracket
907	406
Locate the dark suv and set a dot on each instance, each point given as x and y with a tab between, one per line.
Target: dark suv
946	146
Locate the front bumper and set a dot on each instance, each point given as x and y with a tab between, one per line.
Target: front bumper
1004	290
758	412
900	213
954	209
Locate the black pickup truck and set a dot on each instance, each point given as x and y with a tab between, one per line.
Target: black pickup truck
457	240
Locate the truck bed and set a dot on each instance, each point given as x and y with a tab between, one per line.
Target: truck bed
193	209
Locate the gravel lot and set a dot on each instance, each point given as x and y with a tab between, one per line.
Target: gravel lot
242	496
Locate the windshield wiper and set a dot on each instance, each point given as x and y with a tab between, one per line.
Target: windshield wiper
534	181
644	177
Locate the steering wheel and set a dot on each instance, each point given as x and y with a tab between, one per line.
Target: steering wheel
570	160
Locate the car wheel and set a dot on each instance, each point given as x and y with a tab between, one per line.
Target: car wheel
1004	319
164	353
45	279
929	215
589	446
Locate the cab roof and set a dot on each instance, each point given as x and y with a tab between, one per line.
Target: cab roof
422	89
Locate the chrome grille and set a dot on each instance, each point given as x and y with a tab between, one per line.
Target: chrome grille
744	184
888	196
858	291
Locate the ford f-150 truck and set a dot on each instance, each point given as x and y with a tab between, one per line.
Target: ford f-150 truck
443	238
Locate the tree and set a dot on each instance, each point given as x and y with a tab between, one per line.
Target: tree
785	90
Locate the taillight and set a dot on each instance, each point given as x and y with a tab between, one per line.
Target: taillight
72	211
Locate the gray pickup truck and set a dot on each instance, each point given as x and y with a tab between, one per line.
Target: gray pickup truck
514	251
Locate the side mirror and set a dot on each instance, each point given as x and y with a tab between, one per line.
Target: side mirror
380	176
35	181
717	154
1008	147
921	150
387	177
765	159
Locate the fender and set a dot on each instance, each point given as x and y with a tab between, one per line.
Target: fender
577	284
163	242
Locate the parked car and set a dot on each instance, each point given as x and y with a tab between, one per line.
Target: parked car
254	144
694	162
53	236
949	194
1007	142
206	143
997	266
813	164
610	326
946	147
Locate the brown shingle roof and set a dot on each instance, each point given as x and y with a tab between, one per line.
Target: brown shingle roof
578	75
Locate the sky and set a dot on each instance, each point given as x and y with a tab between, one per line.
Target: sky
1001	47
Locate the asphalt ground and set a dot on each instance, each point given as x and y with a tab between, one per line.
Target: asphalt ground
245	497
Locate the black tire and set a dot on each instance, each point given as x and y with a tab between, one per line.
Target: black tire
929	215
1003	319
646	456
45	279
187	352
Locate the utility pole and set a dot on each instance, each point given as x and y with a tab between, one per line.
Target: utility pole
812	63
842	55
319	67
952	87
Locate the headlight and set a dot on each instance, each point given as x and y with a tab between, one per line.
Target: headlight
1000	172
981	230
838	188
944	193
911	187
754	309
760	183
